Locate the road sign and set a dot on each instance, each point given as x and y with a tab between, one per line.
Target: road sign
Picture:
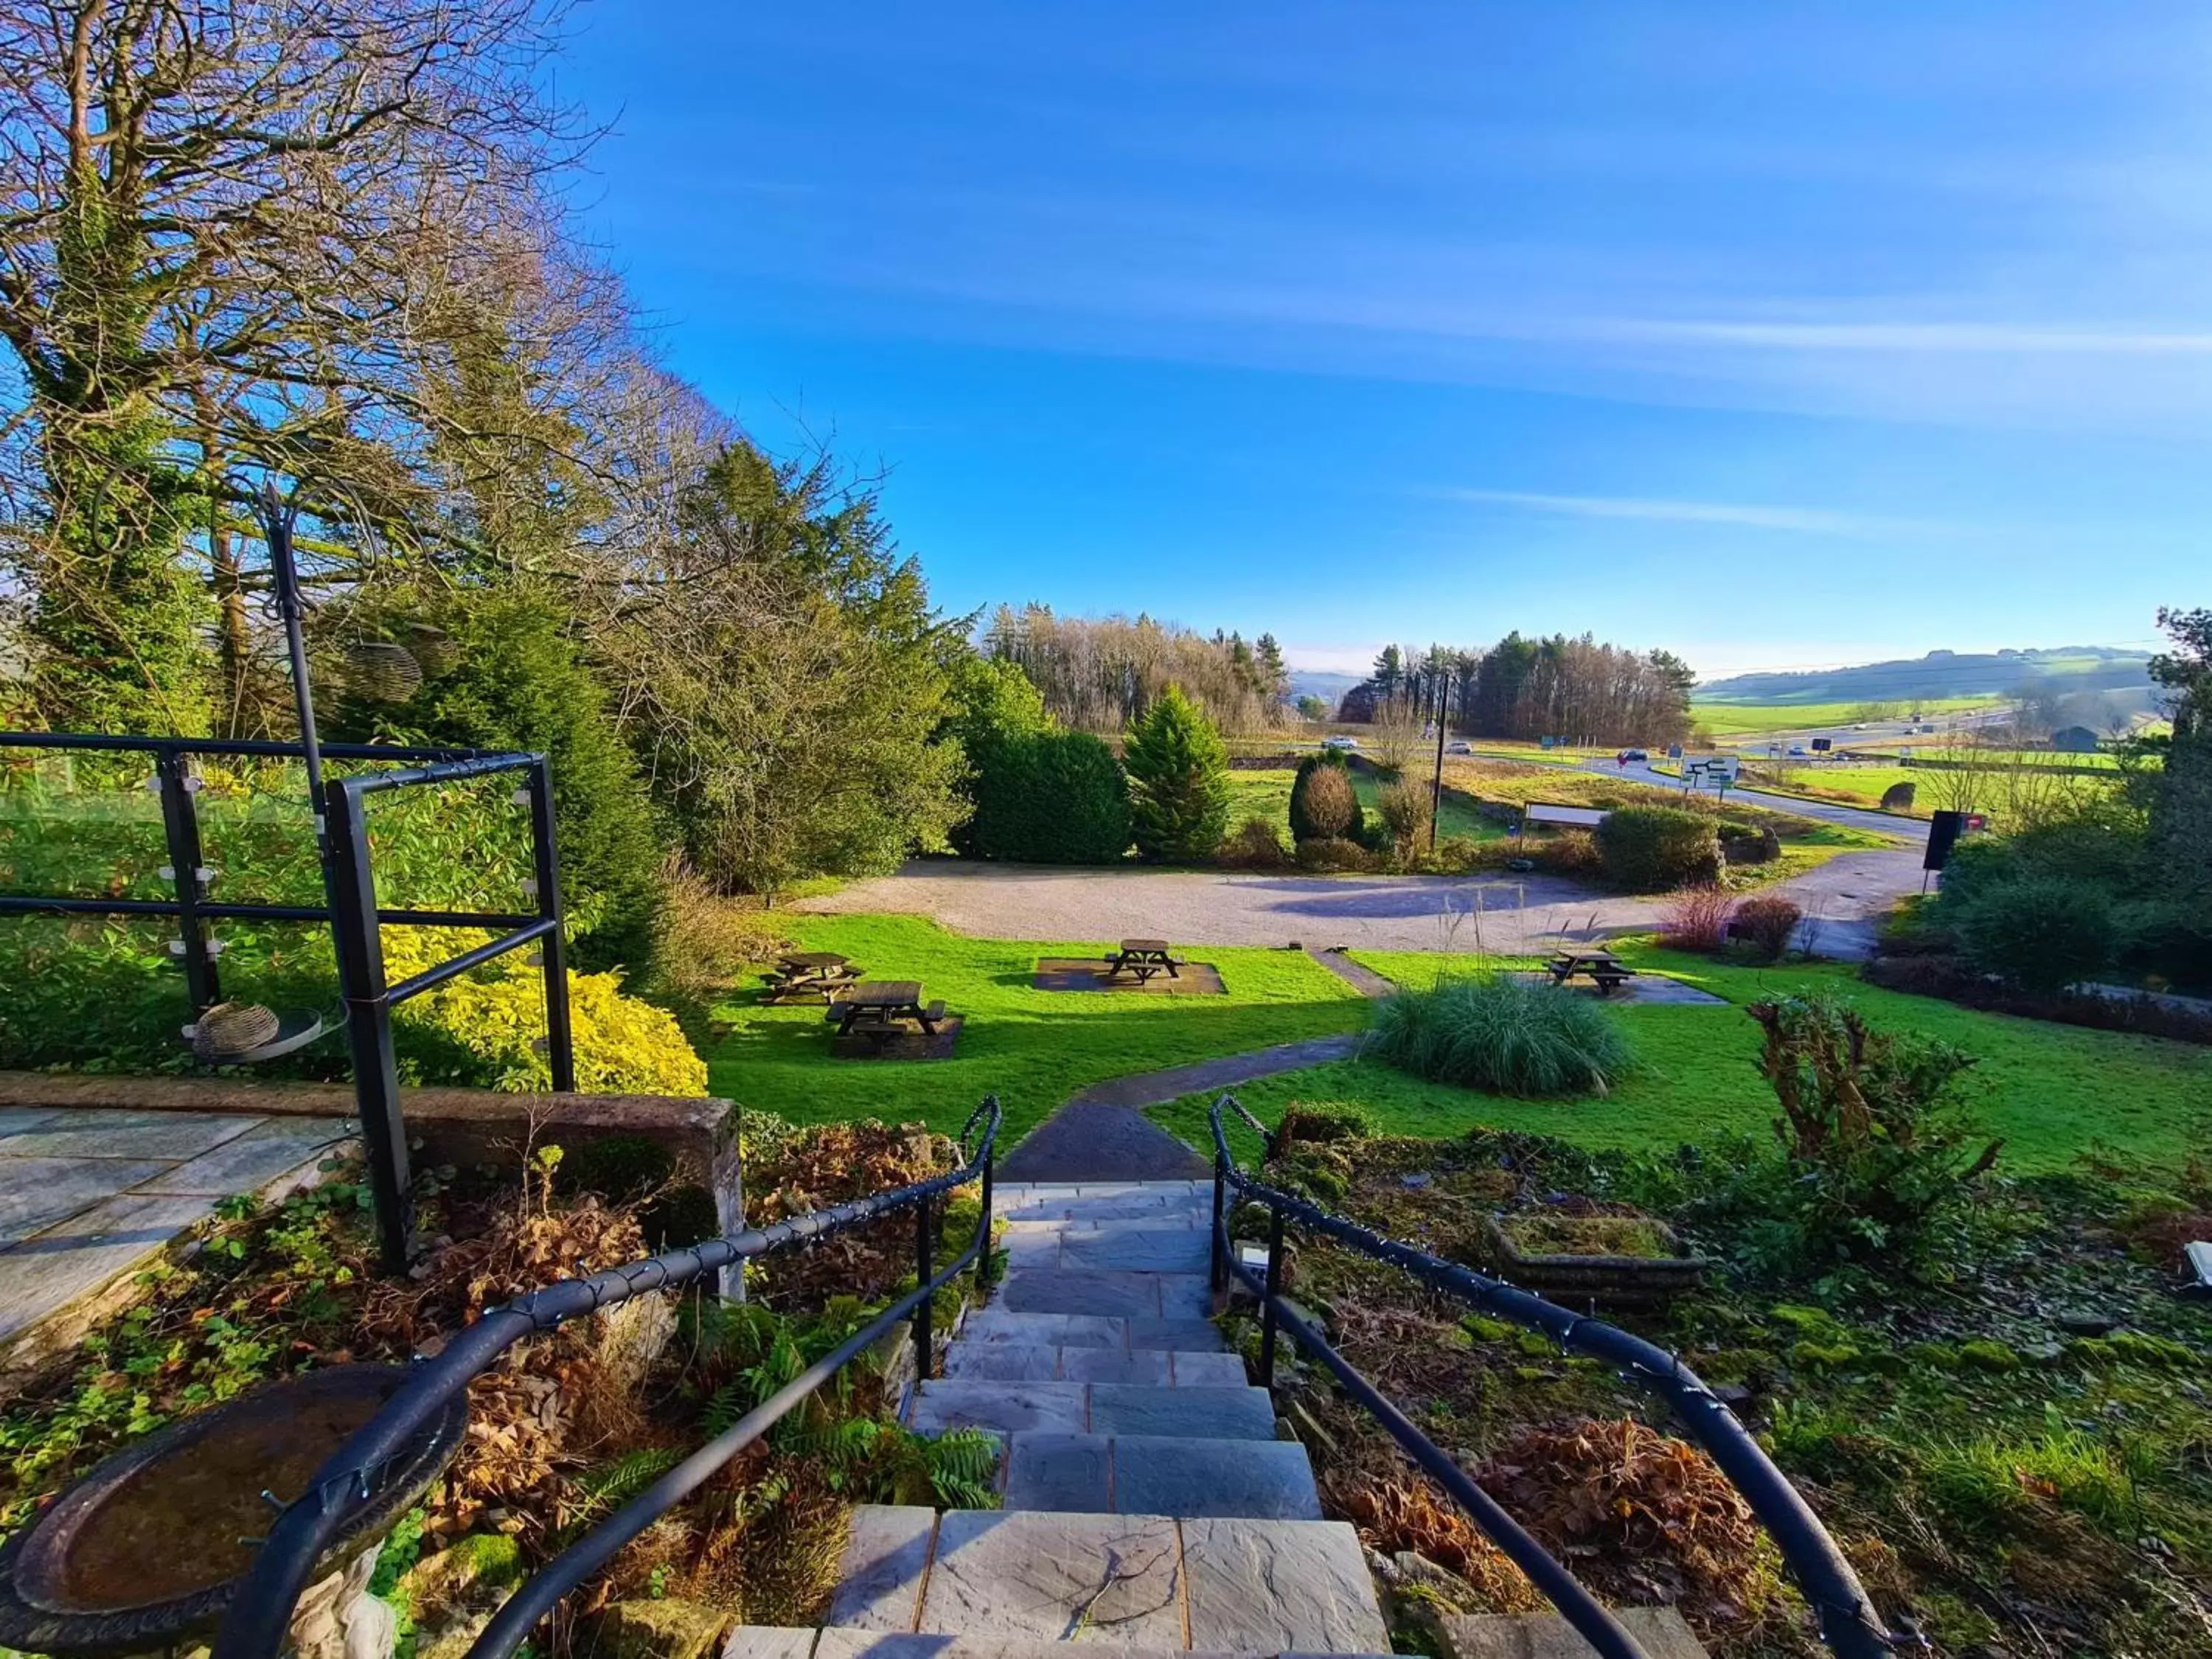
1709	771
1823	745
1675	751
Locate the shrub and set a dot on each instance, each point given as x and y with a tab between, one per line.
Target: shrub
1406	807
1323	1120
513	677
1049	798
708	940
2039	934
1654	849
1178	771
1764	925
1696	919
1568	853
1899	796
1324	806
1333	853
1745	843
1507	1035
1255	844
1876	1159
481	1030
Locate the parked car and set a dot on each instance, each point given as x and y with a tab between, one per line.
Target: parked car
1796	752
1459	748
1634	754
1339	743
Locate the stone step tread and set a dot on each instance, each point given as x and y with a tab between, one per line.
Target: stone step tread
1000	1324
942	1404
1110	1294
1208	1585
1158	1475
1660	1631
1034	1361
1106	1247
778	1641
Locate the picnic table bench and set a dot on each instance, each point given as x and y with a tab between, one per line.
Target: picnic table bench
1144	957
806	975
1610	972
875	1008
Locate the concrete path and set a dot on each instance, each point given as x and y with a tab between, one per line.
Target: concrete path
89	1197
1516	915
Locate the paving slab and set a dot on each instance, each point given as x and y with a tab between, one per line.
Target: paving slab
935	1645
1111	1578
81	1255
1194	1335
886	1559
1196	1413
1279	1586
774	1641
250	1163
35	1192
98	1134
1006	1362
13	1120
996	1324
1070	1473
1117	1296
1146	1250
1660	1631
1152	1366
1266	1479
1208	1370
944	1404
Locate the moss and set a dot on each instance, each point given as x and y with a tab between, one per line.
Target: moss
1559	1235
1488	1330
2132	1348
1825	1356
1984	1355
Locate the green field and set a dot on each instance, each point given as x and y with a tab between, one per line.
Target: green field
2052	1091
1034	1048
1726	719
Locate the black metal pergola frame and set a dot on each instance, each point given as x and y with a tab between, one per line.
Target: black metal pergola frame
351	912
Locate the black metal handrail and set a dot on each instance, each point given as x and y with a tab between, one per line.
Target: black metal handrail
261	1615
1845	1615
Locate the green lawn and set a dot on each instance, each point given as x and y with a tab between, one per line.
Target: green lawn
1268	795
1033	1049
2052	1092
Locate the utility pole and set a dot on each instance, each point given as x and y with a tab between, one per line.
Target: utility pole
1437	788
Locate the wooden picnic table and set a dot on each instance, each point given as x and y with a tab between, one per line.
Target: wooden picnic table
1610	972
1143	957
805	975
875	1007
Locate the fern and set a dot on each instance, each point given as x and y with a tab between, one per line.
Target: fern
964	1469
610	1485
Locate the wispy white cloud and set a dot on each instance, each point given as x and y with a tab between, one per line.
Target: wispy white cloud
1804	520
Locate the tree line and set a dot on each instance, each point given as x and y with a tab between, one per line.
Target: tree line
1099	674
1528	689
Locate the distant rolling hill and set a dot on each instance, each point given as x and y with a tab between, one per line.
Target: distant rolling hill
1318	682
1941	675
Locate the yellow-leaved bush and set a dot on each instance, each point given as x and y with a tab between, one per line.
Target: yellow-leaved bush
482	1028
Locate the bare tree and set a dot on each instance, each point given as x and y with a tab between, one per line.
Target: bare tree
231	232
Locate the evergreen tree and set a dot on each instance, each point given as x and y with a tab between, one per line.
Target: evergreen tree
1178	771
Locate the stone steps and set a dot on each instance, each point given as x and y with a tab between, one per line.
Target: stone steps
1030	1362
776	1642
996	1323
1006	1407
1659	1630
1114	1293
1202	1584
1159	1474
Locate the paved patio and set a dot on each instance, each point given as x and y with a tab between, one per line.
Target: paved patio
88	1197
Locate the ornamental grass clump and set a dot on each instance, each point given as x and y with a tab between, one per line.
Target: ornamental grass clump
1507	1035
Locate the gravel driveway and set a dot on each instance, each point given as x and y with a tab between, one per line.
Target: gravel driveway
1514	916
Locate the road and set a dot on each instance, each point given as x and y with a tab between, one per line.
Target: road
1857	818
1844	900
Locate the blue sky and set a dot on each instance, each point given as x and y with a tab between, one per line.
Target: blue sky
1773	335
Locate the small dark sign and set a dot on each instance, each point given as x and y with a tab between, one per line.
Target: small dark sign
1823	745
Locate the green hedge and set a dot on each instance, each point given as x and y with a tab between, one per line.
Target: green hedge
1655	849
1049	798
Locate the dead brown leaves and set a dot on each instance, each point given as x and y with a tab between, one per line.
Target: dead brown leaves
1640	1516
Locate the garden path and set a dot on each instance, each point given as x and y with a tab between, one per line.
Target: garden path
89	1197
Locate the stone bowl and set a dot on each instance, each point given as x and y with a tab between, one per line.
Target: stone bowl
149	1548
